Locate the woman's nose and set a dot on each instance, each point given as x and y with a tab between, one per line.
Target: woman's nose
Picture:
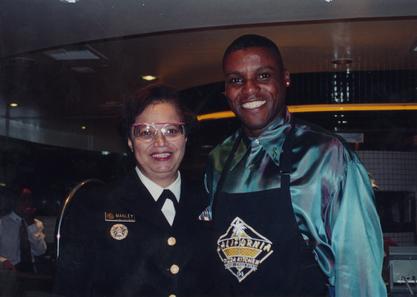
160	139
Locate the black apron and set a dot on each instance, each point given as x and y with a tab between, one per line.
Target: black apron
260	250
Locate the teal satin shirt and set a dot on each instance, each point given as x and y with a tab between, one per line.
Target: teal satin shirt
331	194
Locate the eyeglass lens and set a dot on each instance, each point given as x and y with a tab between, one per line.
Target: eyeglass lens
148	132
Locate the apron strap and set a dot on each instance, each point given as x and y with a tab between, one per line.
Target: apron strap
225	170
285	161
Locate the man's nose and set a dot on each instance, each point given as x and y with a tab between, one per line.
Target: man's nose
250	86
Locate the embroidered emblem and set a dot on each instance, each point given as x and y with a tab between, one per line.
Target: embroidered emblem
242	249
119	231
205	215
119	217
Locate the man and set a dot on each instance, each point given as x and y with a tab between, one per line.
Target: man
21	235
292	206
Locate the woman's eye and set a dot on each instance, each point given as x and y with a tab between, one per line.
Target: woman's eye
172	131
145	133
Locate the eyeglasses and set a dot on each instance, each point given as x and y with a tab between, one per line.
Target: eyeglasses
147	131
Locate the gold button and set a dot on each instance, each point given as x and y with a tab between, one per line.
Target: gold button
172	295
171	241
174	269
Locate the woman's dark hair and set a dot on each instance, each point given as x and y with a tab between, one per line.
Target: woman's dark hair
142	98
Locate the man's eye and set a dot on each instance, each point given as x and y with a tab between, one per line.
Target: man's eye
264	76
235	81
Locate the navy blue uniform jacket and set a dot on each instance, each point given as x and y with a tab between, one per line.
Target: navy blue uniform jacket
117	242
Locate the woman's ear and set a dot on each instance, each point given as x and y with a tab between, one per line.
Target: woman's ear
130	144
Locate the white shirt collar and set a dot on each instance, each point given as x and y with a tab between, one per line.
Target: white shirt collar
156	190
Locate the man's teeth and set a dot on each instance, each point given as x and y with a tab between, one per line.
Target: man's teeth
253	104
161	155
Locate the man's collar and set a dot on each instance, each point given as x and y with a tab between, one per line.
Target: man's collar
271	139
156	190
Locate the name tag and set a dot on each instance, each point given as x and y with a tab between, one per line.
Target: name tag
119	217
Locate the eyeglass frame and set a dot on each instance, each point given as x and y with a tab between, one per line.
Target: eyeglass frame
182	125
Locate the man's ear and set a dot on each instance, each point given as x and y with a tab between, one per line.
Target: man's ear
287	78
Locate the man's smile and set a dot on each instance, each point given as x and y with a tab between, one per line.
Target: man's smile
253	104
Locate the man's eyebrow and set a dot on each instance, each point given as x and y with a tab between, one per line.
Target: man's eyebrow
232	73
267	68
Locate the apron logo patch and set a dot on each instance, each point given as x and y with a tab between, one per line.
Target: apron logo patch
242	249
119	231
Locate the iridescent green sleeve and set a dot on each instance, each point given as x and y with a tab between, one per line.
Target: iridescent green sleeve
356	236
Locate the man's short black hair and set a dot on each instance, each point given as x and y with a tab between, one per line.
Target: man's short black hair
253	40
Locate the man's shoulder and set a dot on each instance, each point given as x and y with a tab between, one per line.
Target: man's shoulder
225	147
305	129
311	136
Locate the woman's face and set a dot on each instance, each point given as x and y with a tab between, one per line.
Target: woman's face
157	146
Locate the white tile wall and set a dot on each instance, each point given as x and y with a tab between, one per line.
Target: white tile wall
393	171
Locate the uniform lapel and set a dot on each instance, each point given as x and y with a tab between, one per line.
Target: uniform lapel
138	198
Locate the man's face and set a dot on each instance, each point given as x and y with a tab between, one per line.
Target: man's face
255	87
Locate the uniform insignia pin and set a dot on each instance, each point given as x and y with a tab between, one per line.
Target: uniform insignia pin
119	231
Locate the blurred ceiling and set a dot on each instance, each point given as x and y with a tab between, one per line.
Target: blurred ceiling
68	64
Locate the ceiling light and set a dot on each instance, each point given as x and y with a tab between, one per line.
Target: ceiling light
83	127
13	104
342	61
72	54
149	77
323	108
69	1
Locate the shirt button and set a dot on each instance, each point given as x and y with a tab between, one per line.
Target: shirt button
172	241
257	141
174	269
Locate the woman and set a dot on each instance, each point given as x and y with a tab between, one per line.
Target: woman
139	236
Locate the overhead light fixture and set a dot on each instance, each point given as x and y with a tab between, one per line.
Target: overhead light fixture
149	77
85	52
83	127
323	108
69	1
342	61
13	104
